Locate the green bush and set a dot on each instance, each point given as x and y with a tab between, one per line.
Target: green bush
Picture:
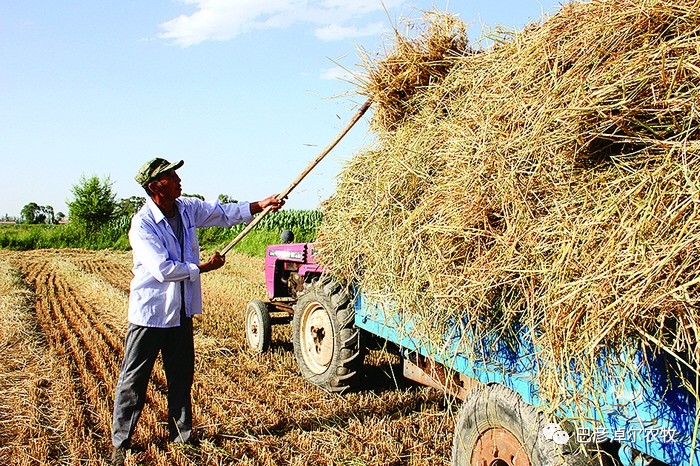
114	234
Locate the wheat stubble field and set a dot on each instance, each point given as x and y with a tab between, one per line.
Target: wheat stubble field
62	322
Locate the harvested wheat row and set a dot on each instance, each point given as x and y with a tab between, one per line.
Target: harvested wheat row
551	180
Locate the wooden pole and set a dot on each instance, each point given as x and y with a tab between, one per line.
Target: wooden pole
302	175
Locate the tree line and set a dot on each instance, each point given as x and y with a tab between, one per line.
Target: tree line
94	205
98	220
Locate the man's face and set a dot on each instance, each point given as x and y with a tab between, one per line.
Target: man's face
167	185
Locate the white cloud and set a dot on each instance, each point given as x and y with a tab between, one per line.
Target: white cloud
226	19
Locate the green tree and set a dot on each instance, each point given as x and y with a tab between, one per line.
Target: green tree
47	212
35	214
198	196
129	206
226	199
29	213
93	204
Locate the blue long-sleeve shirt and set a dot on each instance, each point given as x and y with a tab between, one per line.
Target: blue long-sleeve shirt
159	264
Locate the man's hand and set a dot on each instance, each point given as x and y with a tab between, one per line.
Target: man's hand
215	262
272	201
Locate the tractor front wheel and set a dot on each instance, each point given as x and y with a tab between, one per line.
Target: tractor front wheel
326	342
258	326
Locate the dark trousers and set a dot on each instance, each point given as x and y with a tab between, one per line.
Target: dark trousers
141	347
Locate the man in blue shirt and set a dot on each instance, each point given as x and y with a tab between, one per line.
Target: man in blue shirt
165	294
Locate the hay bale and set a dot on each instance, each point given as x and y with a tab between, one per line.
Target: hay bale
553	180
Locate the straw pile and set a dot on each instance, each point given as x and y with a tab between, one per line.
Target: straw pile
412	65
551	180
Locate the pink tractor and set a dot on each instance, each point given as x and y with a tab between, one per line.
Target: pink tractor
501	420
326	342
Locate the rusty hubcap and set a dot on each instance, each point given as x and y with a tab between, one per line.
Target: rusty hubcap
498	447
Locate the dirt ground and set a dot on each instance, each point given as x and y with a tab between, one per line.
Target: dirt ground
62	324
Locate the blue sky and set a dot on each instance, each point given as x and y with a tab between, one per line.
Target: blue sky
246	92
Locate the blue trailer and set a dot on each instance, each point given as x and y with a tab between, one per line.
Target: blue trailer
642	404
644	412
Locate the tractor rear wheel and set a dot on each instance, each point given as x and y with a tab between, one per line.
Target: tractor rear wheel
326	342
258	326
496	427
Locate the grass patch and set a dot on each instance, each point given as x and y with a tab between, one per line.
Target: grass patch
114	235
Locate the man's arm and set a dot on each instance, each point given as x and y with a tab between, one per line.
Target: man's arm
216	261
151	252
259	206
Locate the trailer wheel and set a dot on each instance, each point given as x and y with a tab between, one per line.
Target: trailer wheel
258	326
326	342
495	427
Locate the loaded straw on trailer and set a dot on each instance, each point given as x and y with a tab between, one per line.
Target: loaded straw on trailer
527	231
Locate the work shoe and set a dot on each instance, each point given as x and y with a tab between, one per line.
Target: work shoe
118	456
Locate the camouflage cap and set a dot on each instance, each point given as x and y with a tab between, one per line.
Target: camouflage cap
151	169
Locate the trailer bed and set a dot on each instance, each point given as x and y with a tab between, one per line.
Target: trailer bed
642	403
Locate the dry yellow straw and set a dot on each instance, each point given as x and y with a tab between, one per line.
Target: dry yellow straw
552	180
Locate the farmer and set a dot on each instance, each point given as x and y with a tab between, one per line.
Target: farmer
165	294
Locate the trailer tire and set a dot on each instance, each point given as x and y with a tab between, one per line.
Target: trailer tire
326	341
258	326
496	427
